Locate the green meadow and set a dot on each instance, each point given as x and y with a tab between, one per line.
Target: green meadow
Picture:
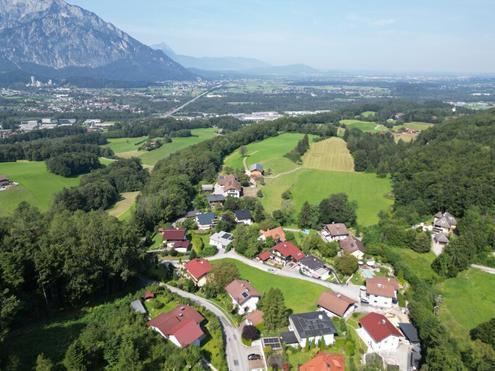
366	126
36	185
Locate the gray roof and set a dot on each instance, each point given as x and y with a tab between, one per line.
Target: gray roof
410	332
216	198
207	187
312	262
258	167
206	218
312	324
138	307
242	215
441	238
289	337
445	220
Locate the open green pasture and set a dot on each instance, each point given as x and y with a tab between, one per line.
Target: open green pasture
366	126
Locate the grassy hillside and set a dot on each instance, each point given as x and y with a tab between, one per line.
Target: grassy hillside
269	152
121	208
36	185
329	154
120	145
366	126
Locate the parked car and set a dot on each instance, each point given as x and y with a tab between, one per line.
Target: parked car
254	357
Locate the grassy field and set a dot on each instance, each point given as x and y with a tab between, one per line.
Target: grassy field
329	154
300	296
468	300
366	126
314	185
36	185
418	125
269	152
368	114
419	263
128	147
121	208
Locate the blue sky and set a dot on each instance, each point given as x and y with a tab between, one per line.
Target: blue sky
382	35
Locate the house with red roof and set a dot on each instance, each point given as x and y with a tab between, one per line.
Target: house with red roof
197	270
277	234
182	326
335	304
379	333
285	252
264	256
175	238
324	362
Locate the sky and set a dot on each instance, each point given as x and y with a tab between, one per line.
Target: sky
345	35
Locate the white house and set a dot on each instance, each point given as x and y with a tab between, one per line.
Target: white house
334	232
243	216
336	304
313	267
352	246
378	333
312	327
381	292
228	185
244	296
205	221
221	240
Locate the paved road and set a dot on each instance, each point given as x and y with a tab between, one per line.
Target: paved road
350	290
236	352
175	110
483	268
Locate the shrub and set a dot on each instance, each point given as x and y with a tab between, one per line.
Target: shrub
250	333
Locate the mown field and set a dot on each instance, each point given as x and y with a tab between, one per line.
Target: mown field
329	154
300	296
366	126
122	208
269	152
128	147
36	185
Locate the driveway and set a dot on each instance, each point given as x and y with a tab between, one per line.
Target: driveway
349	290
236	351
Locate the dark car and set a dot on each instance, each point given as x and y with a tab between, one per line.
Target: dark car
253	357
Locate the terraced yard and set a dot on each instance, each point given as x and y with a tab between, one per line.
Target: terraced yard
36	185
329	154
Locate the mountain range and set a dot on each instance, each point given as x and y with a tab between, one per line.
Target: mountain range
233	65
53	39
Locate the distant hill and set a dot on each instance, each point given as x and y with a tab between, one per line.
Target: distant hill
235	65
53	39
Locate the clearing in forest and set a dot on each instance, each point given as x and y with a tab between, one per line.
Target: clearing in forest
121	207
329	154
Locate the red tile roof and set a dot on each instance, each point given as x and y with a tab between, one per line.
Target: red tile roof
324	362
198	267
182	244
173	234
181	322
289	250
378	327
277	234
264	256
255	317
148	295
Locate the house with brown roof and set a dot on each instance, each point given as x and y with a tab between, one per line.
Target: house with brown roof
324	362
264	256
254	318
175	238
336	304
352	246
381	292
277	234
182	326
286	252
228	185
244	296
4	181
197	270
378	333
334	232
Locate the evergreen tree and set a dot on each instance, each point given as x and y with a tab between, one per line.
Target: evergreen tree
43	363
274	309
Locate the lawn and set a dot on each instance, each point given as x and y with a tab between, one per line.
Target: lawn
366	126
121	208
329	154
419	263
300	296
36	185
468	300
269	152
368	190
128	147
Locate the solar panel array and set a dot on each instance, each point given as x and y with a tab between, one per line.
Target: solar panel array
311	325
274	343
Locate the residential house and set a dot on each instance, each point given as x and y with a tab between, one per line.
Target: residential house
264	256
228	185
175	238
336	304
334	232
148	295
323	361
286	252
4	182
256	172
215	201
352	246
439	241
221	240
254	318
410	332
277	234
197	270
182	326
312	327
313	267
244	296
444	222
138	307
205	221
381	291
243	216
289	339
378	333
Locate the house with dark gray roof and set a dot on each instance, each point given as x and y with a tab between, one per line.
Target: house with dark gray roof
410	332
243	216
312	327
205	221
439	241
313	267
215	200
444	222
289	338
